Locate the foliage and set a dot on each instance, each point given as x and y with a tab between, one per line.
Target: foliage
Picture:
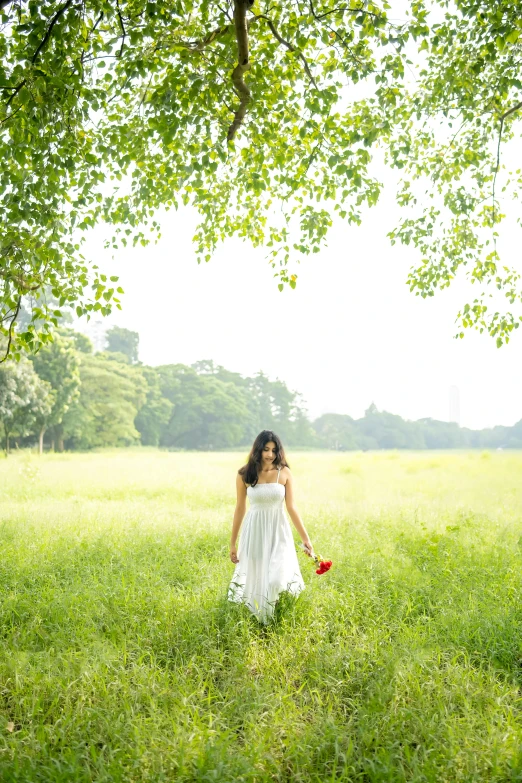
58	364
463	108
82	342
336	431
382	430
205	406
154	416
207	412
111	111
123	341
111	394
25	399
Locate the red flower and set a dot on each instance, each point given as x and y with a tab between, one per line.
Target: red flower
324	566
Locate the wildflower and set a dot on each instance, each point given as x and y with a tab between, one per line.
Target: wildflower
322	565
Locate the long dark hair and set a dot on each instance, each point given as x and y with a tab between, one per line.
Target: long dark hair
249	472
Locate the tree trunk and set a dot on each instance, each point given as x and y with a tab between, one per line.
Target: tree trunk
40	441
58	431
52	445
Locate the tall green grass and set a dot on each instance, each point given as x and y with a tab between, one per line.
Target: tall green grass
121	660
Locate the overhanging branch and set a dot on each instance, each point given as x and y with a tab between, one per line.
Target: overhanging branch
40	46
243	65
10	337
503	118
49	31
289	46
198	46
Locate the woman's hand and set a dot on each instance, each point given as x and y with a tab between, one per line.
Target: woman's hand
308	548
233	554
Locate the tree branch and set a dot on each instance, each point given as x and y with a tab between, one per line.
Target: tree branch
10	338
15	92
83	59
49	31
513	109
289	47
124	33
343	10
198	46
243	65
41	45
10	116
503	117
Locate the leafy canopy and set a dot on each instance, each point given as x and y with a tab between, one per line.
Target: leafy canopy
263	117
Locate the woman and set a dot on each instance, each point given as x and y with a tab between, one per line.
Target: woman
266	562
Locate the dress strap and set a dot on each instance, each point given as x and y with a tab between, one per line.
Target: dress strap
278	472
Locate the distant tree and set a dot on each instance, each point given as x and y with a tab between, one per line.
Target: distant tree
336	431
154	416
58	363
81	342
111	394
124	341
25	399
208	413
276	407
443	434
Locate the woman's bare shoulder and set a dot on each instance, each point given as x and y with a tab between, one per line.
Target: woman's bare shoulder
286	475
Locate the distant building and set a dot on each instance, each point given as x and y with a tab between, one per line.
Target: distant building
454	404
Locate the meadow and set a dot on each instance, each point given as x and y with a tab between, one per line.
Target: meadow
121	660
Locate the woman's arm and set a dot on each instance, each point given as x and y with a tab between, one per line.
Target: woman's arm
294	513
239	514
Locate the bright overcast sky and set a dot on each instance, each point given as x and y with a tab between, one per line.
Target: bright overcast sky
350	334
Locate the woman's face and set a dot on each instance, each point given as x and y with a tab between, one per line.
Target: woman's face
269	453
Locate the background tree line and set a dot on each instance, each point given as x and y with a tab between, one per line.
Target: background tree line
68	397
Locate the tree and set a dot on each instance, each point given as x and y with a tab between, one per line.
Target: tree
111	394
462	110
82	342
109	111
184	125
271	405
155	95
25	399
58	364
123	341
207	413
336	431
278	408
154	416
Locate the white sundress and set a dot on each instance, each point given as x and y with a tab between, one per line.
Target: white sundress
266	553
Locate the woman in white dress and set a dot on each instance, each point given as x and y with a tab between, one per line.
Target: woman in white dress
266	560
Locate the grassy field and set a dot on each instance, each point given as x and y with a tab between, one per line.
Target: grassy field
121	660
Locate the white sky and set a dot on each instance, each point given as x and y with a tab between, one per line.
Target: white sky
349	334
